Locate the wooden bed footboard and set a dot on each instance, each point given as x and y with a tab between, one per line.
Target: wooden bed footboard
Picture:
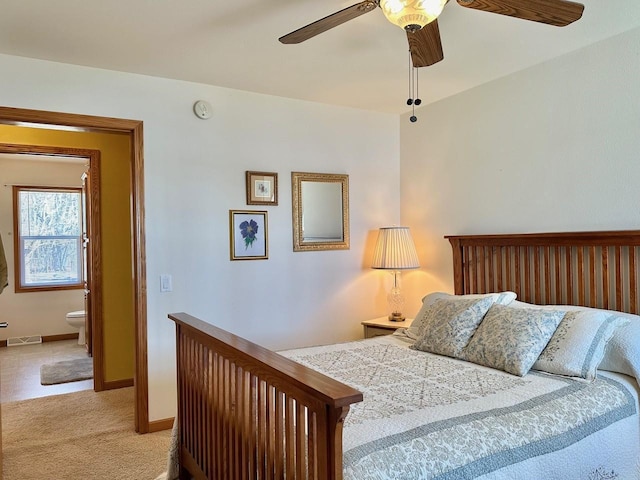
245	412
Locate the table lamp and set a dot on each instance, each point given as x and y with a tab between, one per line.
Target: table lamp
395	251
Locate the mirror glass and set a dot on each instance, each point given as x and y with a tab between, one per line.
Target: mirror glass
320	211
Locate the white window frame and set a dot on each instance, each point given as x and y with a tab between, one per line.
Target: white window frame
21	285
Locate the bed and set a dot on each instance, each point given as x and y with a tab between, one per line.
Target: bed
409	407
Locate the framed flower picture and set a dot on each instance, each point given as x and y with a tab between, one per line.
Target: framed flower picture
262	188
248	235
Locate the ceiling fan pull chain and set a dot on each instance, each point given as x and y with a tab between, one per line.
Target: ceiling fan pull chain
417	100
410	99
413	75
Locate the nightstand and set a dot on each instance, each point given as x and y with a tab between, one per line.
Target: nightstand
383	326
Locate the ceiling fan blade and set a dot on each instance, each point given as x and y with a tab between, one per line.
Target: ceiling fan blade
425	45
326	23
553	12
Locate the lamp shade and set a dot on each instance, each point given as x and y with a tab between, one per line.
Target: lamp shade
395	250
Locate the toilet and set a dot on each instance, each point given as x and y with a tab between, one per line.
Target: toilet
76	319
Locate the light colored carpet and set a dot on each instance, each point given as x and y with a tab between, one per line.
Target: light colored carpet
66	371
78	436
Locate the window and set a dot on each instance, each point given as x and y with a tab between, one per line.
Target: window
48	224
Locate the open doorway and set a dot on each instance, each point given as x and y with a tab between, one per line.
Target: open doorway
133	130
57	246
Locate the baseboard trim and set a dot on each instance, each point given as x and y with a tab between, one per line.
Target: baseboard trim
115	384
62	336
160	425
50	338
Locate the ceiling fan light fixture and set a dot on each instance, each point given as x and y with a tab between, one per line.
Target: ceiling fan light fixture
412	15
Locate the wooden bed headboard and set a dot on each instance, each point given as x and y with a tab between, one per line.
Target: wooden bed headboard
593	269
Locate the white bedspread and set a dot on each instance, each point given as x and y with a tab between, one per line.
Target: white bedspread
430	417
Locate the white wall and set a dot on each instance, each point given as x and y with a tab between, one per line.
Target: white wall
551	148
34	313
194	174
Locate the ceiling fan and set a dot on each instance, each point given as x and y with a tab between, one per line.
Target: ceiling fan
419	19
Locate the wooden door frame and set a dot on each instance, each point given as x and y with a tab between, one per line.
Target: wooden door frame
94	233
133	128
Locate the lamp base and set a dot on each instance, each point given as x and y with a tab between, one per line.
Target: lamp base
396	317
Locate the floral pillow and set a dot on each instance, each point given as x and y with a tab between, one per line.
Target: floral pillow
578	345
413	332
512	339
447	325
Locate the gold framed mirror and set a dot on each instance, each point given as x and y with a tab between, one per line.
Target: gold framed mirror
320	211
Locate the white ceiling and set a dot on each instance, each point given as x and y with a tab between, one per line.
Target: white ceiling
361	64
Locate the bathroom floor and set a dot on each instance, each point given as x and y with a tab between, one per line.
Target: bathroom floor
20	370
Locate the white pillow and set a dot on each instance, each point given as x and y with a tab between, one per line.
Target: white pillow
622	352
577	347
511	339
449	324
413	332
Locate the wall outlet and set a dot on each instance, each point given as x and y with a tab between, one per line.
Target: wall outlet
166	283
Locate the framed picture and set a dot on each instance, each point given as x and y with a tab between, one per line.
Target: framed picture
248	234
262	188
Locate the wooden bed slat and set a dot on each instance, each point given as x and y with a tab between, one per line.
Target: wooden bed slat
313	460
467	271
558	272
518	273
536	275
580	276
633	299
289	436
569	272
499	280
618	268
301	440
526	272
547	272
605	278
489	252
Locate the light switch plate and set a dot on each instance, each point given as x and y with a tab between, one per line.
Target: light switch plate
166	283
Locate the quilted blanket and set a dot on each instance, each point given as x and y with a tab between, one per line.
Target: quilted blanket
426	416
